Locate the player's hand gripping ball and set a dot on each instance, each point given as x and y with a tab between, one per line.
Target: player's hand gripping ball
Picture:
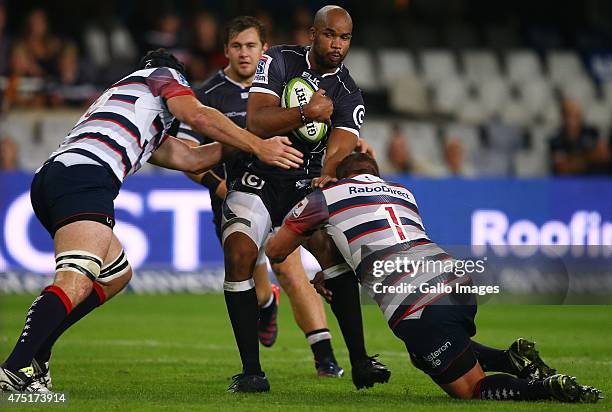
298	92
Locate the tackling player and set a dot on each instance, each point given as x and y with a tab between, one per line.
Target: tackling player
259	200
371	220
227	91
73	191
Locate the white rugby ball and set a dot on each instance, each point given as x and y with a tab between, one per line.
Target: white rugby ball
298	92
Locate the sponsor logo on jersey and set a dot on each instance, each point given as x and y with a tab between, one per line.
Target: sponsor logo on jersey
253	181
182	80
353	190
261	73
312	79
358	115
299	208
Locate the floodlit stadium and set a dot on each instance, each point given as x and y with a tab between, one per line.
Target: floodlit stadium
268	205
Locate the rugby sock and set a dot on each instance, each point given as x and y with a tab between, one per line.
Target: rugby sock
347	309
266	310
241	302
493	360
320	343
508	388
96	298
269	303
44	315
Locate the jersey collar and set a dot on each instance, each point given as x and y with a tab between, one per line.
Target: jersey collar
232	81
323	75
367	178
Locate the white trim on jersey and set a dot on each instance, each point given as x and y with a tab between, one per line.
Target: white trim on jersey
323	75
349	129
214	87
255	89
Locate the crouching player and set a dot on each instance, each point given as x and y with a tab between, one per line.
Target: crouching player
73	192
372	220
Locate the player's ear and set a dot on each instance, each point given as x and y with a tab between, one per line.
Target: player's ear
265	47
226	51
312	34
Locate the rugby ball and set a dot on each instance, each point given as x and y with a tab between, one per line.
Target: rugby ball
298	92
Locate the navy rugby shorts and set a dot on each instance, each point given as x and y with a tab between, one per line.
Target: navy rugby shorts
64	194
439	342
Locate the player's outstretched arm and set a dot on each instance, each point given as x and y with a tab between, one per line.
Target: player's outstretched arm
209	179
282	244
265	117
212	123
341	144
175	154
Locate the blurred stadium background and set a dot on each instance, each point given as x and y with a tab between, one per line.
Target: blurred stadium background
463	103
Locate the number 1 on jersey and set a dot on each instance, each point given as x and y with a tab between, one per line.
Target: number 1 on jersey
394	222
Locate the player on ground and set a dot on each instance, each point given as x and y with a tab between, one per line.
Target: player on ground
371	221
259	200
227	91
73	192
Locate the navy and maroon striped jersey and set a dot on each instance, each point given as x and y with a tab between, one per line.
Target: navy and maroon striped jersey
372	221
123	127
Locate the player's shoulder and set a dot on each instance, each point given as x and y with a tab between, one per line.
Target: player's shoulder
287	51
348	83
214	82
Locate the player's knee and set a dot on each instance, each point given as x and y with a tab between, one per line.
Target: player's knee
76	270
239	260
116	272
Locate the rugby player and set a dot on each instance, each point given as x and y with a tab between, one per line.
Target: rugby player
259	200
371	221
73	191
227	91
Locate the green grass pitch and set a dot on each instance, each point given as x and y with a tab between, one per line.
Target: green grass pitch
177	352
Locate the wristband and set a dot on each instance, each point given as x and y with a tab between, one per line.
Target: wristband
211	182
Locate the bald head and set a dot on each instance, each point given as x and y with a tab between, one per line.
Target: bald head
331	36
323	18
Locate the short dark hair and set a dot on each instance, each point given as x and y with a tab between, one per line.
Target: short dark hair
161	58
240	24
356	164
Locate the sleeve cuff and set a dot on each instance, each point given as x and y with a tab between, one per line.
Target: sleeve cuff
349	129
255	89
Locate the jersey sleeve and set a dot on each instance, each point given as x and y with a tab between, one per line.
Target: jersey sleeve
349	112
270	73
167	83
308	215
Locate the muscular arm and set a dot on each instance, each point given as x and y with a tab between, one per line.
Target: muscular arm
221	187
266	118
282	244
341	144
175	154
307	216
212	123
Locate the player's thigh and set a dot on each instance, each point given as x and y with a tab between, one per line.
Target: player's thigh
84	235
245	226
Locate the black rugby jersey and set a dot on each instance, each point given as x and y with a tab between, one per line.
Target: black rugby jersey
275	69
230	98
